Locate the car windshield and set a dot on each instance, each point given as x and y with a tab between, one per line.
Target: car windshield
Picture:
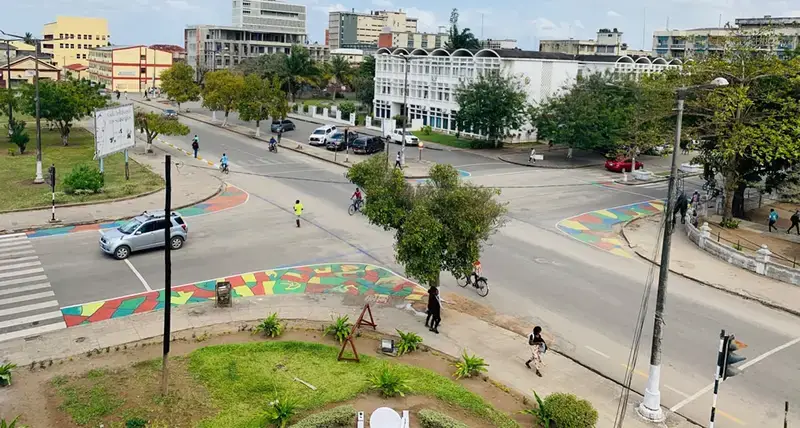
338	135
130	226
409	133
319	132
276	122
360	142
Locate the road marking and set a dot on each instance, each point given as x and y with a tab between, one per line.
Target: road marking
681	393
480	164
23	280
18	253
596	351
32	318
21	265
26	297
13	239
18	259
638	372
138	275
708	387
12	243
21	272
19	246
12	235
731	417
25	288
33	331
29	308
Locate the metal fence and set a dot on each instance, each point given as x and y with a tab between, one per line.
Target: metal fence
749	247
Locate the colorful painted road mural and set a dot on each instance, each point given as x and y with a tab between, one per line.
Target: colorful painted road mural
340	278
230	197
596	228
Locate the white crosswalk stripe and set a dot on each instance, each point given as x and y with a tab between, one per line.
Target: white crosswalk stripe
28	305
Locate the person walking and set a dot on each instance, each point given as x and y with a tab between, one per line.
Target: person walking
532	156
397	163
773	218
195	145
434	310
681	206
538	348
298	210
795	219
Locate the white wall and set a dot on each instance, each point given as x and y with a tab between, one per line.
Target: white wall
544	78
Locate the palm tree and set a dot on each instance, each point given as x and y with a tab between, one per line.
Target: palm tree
340	72
463	39
28	39
300	69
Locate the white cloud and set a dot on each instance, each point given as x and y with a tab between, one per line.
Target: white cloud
578	24
613	14
178	4
547	29
382	3
426	20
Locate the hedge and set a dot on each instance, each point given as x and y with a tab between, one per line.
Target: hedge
433	419
337	417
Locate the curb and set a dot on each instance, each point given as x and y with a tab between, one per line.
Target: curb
736	293
81	204
546	166
660	180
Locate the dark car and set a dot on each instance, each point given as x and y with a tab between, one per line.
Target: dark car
367	145
170	114
282	125
336	141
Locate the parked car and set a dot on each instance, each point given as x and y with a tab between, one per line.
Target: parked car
282	126
321	135
336	141
368	144
170	114
144	232
397	137
618	165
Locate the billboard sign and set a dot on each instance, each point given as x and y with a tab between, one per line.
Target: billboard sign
113	130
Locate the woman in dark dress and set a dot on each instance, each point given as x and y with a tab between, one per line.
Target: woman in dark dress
434	310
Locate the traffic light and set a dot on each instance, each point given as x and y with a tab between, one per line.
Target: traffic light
731	345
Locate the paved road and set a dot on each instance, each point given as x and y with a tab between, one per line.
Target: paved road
586	298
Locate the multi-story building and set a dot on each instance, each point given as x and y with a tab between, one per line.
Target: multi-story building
269	15
499	44
434	76
362	30
411	40
608	42
353	56
318	52
23	70
70	38
688	43
128	68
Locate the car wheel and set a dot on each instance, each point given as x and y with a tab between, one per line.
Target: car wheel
122	252
176	242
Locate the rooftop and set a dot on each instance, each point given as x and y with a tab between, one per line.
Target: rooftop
515	54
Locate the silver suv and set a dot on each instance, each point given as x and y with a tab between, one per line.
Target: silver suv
143	232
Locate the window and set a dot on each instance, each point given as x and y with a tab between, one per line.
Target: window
78	56
148	227
89	36
143	70
60	35
72	46
61	45
97	37
71	36
84	56
104	37
79	46
143	57
79	36
246	12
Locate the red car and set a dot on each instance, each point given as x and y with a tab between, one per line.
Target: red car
619	165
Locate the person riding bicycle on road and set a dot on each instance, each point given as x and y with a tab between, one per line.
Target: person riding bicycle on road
477	270
357	197
272	142
224	161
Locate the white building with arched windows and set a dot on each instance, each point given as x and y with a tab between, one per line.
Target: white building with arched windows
435	74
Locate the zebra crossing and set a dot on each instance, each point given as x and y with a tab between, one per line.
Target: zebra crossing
28	306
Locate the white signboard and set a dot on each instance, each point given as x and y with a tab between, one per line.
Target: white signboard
113	130
126	73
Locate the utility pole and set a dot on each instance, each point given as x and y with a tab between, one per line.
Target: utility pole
39	179
407	65
8	87
167	271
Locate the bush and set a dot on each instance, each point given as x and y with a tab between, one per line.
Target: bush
433	419
729	224
427	130
19	137
5	373
295	107
347	108
337	417
270	327
399	119
483	144
340	328
280	411
389	382
569	411
136	423
541	412
469	365
361	119
408	342
83	178
305	108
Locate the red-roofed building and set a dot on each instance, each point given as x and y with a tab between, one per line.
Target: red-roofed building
76	70
178	52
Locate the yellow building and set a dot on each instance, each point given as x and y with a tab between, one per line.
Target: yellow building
128	68
23	69
69	39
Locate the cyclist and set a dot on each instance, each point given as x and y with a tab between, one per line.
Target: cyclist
272	143
224	162
357	198
477	271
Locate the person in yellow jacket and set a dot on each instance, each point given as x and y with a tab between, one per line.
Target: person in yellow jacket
298	210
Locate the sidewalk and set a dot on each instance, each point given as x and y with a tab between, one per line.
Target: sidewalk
504	351
556	158
686	259
189	186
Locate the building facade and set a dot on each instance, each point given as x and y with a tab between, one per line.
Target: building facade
270	16
214	47
689	43
354	30
23	70
434	75
607	42
318	52
69	39
353	56
499	44
128	68
409	40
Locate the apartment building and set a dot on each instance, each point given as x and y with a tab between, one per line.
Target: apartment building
607	42
354	30
434	75
70	38
409	40
499	44
318	52
128	68
688	43
269	15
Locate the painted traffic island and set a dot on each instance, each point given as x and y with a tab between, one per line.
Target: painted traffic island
230	197
596	228
334	278
239	379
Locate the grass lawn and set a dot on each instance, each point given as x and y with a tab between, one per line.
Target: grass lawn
445	139
231	385
18	171
325	102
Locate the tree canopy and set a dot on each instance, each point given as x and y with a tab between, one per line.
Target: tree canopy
63	102
340	72
300	69
463	39
222	91
154	124
491	105
364	81
179	85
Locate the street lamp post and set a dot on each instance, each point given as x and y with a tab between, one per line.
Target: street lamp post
8	86
650	408
406	66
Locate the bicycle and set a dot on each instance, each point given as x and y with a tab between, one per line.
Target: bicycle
224	168
481	285
355	206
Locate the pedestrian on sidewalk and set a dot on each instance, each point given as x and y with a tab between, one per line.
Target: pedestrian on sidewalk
773	218
538	348
298	210
681	206
195	145
795	222
434	310
280	134
532	156
397	159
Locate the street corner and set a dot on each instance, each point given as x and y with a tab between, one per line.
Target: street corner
230	197
356	279
596	228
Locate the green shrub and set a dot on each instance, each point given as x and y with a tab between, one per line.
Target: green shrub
389	382
19	137
361	119
408	342
10	424
729	224
340	328
83	178
469	365
483	144
270	327
5	373
337	417
569	411
347	108
399	119
305	108
136	423
280	411
541	412
427	130
433	419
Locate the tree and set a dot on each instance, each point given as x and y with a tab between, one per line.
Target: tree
179	85
253	105
433	231
340	72
364	81
463	39
63	102
222	91
28	39
266	66
154	124
8	99
17	134
278	102
300	69
491	105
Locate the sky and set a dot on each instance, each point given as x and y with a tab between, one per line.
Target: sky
527	21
